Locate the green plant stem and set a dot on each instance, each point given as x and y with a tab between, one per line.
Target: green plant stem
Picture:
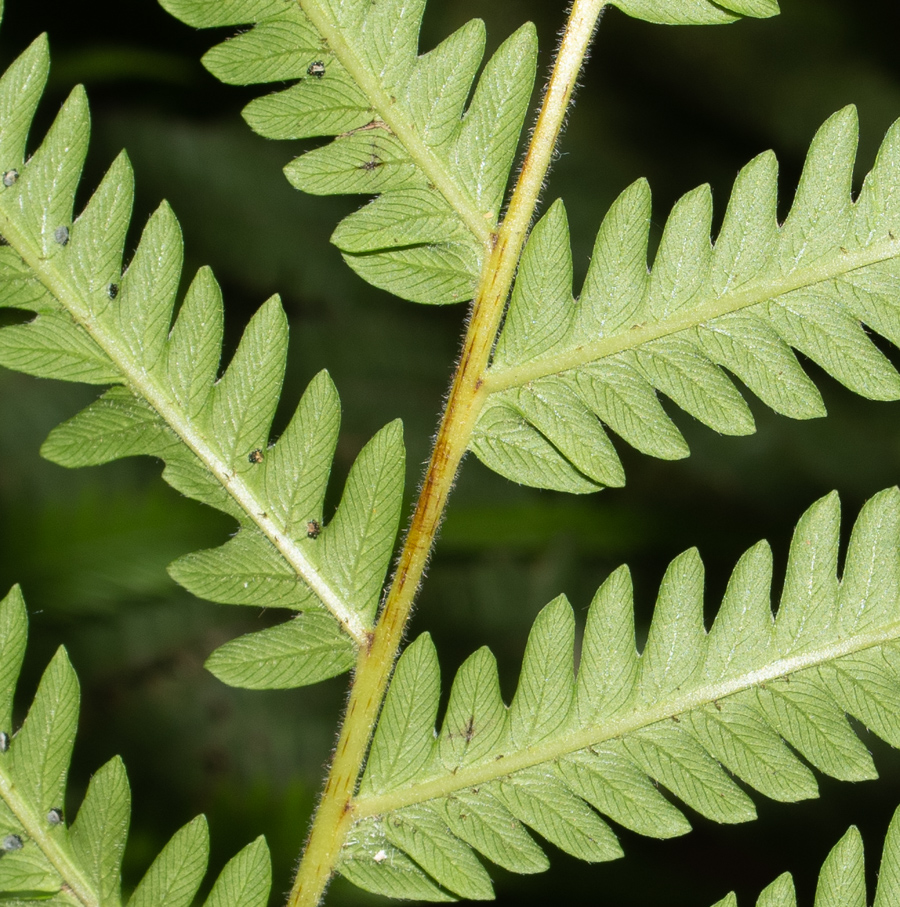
335	813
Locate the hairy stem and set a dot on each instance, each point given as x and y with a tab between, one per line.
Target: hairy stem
335	813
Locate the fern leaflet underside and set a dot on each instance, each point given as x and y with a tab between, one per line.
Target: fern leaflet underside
696	12
565	371
402	130
742	697
44	858
401	124
98	323
842	881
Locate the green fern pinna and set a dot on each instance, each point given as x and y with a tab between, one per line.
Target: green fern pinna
415	806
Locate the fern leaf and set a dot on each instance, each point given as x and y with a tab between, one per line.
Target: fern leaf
43	748
401	127
307	648
692	711
44	859
566	372
100	830
842	880
177	872
245	880
99	323
696	12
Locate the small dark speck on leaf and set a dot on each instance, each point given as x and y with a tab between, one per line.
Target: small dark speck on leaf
11	843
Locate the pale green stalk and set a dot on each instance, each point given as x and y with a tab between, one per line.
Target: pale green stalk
336	811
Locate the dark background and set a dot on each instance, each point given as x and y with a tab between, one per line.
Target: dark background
680	106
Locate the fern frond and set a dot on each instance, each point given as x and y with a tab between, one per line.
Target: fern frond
80	864
402	129
842	881
743	697
98	323
563	367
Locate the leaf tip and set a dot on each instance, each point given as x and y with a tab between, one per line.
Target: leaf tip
40	46
14	596
272	307
393	432
525	40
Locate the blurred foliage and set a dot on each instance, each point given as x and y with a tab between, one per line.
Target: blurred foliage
680	106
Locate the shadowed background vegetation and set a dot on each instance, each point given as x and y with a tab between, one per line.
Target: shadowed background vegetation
680	106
